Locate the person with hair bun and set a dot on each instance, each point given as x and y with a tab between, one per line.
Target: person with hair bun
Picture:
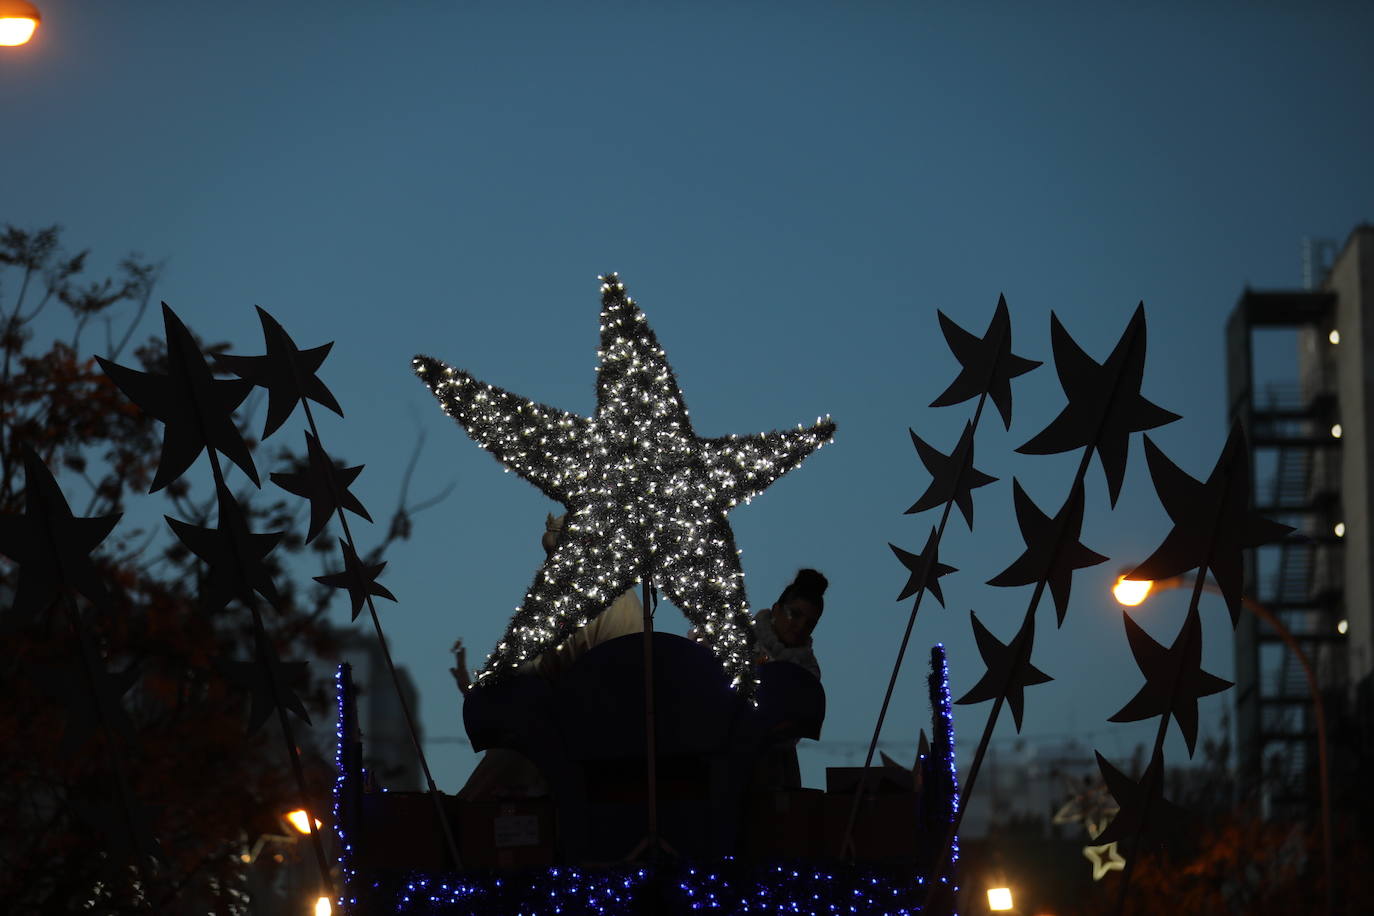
783	631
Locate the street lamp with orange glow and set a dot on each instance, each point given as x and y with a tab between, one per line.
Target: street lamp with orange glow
1131	592
18	20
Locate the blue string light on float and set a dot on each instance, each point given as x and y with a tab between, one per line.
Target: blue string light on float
646	497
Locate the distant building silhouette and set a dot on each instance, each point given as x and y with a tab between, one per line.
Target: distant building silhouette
1311	432
388	752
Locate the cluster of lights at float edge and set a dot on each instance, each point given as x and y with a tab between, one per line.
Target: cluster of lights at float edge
795	889
645	496
944	744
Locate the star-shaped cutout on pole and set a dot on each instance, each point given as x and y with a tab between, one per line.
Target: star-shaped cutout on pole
358	577
196	409
1053	550
1009	669
986	365
91	700
325	484
287	372
1105	405
923	575
1142	804
646	496
125	842
234	556
1104	859
954	476
1174	679
51	546
1213	524
254	678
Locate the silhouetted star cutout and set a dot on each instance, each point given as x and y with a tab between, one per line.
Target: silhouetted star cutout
1174	679
88	705
320	483
1134	798
916	564
986	365
254	678
1213	524
288	373
124	842
1105	405
1104	859
358	578
233	554
1053	550
647	498
51	546
954	475
196	409
1009	669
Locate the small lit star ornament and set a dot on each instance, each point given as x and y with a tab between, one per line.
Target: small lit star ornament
1104	859
646	497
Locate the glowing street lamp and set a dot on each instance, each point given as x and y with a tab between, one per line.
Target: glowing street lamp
323	907
1131	592
18	20
999	899
299	820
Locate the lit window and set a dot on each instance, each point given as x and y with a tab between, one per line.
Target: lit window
999	898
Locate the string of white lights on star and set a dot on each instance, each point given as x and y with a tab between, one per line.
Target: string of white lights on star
645	496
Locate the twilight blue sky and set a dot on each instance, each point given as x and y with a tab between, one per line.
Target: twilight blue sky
790	190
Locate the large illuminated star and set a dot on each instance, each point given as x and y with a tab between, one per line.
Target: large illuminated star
646	497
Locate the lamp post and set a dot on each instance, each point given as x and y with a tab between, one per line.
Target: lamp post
1131	592
18	20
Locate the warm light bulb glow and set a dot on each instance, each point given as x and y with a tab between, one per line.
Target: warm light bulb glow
1339	529
1334	337
298	820
16	30
1131	592
323	907
999	898
1343	627
1336	431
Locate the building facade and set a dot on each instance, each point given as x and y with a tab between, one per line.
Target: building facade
1309	419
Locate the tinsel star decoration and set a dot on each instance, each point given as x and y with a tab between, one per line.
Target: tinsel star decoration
1053	550
987	364
196	409
1105	405
1009	669
1174	679
646	497
953	476
286	371
925	568
1213	524
51	546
